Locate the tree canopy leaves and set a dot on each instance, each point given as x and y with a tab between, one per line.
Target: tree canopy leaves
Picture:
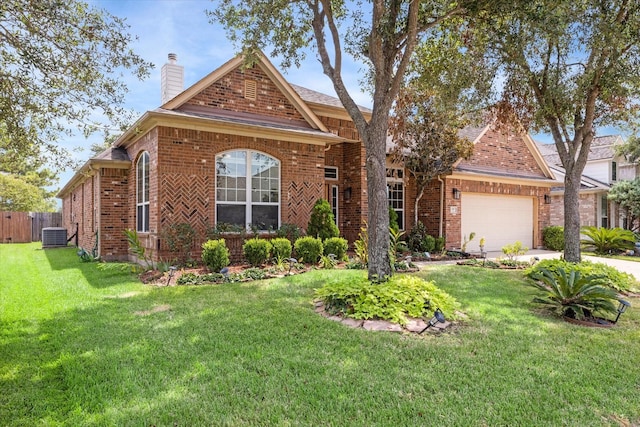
61	65
569	68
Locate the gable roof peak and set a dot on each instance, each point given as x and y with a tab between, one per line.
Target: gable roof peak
267	67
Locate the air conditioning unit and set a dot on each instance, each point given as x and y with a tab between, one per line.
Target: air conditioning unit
54	237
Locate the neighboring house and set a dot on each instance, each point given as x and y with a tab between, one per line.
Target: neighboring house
603	169
243	146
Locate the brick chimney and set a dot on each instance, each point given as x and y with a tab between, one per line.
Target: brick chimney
171	79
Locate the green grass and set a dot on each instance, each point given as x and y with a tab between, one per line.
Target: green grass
81	344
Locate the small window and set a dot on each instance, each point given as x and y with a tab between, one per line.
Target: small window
142	193
331	172
604	211
395	187
250	89
614	171
334	202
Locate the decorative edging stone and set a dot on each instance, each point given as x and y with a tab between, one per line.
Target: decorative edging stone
604	323
413	325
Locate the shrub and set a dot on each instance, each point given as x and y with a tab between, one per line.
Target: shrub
308	249
217	231
514	250
137	248
362	246
440	243
393	220
180	239
607	240
215	254
322	223
256	251
281	248
393	300
553	237
337	246
466	241
574	295
607	275
419	240
193	279
327	262
289	231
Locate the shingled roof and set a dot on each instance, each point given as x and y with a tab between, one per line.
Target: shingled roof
312	96
602	148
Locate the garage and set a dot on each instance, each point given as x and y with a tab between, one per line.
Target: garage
501	220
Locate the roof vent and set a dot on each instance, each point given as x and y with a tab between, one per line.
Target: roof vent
171	79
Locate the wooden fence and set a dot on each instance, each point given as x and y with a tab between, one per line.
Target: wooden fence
26	227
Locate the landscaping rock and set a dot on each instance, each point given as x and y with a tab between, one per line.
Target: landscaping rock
381	325
415	325
353	323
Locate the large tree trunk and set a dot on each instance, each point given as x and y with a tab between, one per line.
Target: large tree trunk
572	217
379	267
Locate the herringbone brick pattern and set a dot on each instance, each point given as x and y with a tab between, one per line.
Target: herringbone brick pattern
185	198
302	196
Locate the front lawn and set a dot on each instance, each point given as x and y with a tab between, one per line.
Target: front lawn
87	344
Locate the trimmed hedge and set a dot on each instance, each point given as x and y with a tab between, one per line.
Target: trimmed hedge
308	249
553	237
215	254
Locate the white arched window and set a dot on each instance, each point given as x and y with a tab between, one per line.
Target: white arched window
142	193
248	189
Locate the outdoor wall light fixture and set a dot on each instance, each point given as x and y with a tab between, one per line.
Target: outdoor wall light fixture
547	199
622	307
456	193
347	193
438	317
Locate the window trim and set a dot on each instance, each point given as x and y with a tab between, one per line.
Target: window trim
395	175
332	168
604	211
144	160
335	197
248	203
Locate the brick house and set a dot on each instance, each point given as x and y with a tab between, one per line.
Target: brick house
244	146
603	169
501	193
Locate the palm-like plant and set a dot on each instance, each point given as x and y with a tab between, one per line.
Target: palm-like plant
607	240
573	295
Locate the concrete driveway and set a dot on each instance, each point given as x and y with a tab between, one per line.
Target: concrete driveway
631	267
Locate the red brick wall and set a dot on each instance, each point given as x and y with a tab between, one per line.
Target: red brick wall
182	179
115	214
341	127
77	213
354	209
503	152
228	93
588	210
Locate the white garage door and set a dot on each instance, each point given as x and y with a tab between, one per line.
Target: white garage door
500	219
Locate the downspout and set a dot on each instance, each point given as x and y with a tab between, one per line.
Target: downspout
441	221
